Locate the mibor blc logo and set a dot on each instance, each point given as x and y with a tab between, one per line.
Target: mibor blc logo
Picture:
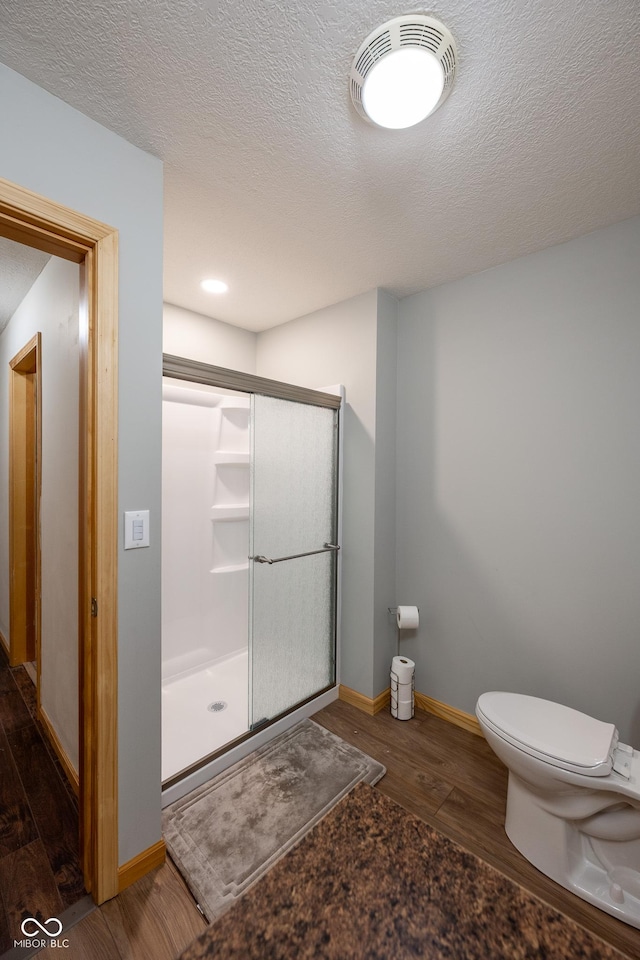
34	933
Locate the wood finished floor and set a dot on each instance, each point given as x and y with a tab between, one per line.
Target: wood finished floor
40	873
446	776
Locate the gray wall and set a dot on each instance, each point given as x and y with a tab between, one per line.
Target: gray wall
384	590
518	479
52	149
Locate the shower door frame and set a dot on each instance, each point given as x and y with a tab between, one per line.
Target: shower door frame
195	371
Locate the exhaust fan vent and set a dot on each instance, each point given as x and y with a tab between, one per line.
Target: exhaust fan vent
414	30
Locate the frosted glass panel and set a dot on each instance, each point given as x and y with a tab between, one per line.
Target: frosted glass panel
292	647
294	470
293	511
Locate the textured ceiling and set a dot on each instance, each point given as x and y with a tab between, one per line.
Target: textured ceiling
273	183
19	268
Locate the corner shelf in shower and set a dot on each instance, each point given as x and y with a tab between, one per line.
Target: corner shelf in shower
230	511
232	568
223	456
235	403
230	538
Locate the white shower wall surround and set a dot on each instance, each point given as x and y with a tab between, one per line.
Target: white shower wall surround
204	565
205	579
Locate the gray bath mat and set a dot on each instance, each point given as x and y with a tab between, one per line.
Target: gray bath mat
226	834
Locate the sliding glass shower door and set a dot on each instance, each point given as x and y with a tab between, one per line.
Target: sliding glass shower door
293	554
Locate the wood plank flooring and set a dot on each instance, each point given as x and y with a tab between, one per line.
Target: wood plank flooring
40	873
446	776
154	919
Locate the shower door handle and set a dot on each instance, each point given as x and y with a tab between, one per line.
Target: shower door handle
327	548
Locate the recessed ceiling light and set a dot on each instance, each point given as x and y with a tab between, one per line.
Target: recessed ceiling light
403	71
214	286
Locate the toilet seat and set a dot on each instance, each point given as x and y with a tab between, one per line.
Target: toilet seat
551	732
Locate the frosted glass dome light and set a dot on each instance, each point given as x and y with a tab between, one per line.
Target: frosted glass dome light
403	71
402	89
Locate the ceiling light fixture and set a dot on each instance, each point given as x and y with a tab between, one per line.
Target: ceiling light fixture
214	286
403	71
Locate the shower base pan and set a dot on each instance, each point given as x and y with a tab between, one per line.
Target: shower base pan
194	724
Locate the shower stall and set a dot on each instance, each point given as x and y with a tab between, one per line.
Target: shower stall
250	563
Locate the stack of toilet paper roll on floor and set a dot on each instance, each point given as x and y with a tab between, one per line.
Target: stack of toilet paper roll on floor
403	669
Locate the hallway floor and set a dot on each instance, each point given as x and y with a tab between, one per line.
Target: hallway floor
40	872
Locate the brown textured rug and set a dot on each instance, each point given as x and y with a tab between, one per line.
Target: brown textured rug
226	834
372	881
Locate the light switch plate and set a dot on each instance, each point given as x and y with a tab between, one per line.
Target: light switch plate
136	529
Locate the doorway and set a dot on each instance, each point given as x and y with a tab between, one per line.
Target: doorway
250	561
38	222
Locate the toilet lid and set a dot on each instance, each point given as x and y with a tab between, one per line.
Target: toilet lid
557	733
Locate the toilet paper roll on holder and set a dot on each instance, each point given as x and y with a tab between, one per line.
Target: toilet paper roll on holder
394	612
407	617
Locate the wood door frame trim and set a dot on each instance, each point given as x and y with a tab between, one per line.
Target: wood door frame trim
19	362
38	222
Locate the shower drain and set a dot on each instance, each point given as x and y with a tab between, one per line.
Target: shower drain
217	706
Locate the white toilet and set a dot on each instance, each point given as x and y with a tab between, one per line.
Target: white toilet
573	804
